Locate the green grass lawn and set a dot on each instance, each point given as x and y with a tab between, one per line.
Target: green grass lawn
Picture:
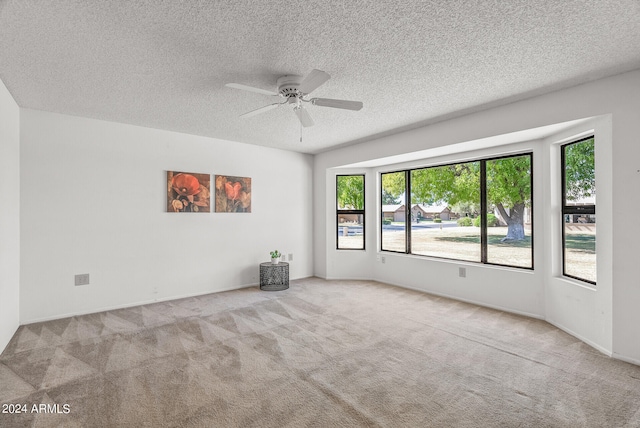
463	243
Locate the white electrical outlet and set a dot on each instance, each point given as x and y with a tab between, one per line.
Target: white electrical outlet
383	259
82	279
290	256
462	272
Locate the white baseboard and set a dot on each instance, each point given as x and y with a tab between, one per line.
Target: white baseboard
483	304
626	359
600	348
348	278
130	305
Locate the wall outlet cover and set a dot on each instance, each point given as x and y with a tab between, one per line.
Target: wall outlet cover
82	279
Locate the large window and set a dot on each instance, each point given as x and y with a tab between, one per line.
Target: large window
478	211
350	212
579	210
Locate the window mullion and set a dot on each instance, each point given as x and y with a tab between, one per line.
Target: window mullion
483	211
407	211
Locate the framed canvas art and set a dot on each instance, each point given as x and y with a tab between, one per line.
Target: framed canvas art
188	192
233	194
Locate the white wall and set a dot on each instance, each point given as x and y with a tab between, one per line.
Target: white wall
93	200
358	262
577	307
9	216
617	97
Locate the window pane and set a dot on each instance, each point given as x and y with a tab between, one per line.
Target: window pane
509	211
578	209
580	246
440	196
350	212
393	212
350	192
580	173
350	231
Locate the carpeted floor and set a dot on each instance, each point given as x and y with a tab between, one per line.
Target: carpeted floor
323	353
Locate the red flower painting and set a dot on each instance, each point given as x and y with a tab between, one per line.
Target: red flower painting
233	194
185	184
188	192
233	190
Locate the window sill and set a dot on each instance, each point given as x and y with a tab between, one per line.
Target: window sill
577	283
458	262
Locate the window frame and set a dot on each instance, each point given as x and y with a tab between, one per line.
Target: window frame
407	213
408	219
573	209
357	212
483	209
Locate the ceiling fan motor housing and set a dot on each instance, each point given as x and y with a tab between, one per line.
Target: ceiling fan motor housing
288	86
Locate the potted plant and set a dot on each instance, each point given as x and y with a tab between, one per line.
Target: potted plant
275	257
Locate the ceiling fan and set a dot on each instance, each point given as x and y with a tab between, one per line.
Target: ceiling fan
295	90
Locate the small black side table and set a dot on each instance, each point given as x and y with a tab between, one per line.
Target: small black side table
274	277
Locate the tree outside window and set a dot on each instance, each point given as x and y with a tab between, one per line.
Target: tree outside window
509	201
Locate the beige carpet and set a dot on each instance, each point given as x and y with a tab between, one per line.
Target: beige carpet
323	353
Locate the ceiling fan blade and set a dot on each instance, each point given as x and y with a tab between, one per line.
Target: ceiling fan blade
313	81
344	104
250	89
260	110
303	116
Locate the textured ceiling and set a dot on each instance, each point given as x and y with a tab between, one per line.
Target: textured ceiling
163	64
